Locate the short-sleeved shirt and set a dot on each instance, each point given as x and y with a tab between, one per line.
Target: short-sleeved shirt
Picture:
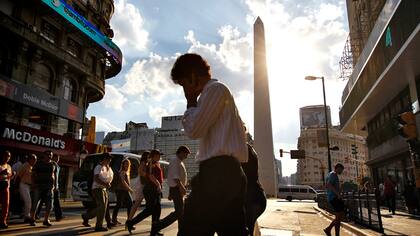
105	174
332	179
25	173
45	175
176	170
123	177
156	172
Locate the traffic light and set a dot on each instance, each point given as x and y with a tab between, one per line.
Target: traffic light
407	125
281	152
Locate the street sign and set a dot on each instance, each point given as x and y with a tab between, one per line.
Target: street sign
297	154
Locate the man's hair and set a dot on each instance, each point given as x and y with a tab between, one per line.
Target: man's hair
155	152
106	155
183	149
339	165
144	156
188	64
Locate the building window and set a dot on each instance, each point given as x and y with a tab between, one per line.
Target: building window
91	63
73	47
49	31
70	92
41	77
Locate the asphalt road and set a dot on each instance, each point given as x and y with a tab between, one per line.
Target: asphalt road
280	218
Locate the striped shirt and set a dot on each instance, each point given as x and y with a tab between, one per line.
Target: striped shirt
215	121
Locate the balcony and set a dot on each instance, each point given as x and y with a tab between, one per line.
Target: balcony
376	77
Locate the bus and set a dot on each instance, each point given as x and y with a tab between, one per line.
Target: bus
80	185
298	192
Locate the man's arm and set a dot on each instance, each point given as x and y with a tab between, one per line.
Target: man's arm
181	187
197	120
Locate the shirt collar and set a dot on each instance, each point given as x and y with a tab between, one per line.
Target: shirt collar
208	84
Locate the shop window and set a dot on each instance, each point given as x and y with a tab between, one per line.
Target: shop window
70	90
35	118
49	32
73	47
59	125
41	77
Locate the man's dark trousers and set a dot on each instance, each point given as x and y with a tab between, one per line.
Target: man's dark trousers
217	198
173	216
153	207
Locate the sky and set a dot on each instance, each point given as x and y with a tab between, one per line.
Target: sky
303	37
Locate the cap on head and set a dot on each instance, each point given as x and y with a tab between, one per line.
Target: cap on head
183	149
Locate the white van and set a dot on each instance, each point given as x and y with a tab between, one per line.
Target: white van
80	185
299	192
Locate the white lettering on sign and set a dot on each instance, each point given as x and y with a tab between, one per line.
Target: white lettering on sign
39	101
27	137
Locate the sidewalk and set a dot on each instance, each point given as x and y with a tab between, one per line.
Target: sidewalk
400	224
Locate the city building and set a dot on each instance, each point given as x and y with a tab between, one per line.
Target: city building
136	138
313	169
99	137
54	59
263	131
382	59
170	136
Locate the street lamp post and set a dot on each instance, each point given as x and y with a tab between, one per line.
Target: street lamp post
326	118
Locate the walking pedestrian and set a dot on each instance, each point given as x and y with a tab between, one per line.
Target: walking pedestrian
123	190
217	199
256	201
177	180
390	193
57	207
6	174
15	200
334	199
152	192
102	178
139	190
43	181
24	181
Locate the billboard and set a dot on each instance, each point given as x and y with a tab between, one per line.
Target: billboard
314	116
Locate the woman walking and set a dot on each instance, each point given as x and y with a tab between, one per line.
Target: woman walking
139	191
123	190
6	174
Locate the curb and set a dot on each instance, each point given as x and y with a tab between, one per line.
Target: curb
345	225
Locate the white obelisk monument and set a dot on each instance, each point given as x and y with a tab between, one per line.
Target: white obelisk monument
263	133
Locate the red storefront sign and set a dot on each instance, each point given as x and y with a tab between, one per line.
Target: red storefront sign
28	140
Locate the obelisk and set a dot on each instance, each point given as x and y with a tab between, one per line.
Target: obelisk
263	133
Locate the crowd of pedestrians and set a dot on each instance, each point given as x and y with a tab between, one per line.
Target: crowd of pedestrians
32	183
225	196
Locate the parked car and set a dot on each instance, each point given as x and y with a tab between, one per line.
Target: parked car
298	192
80	185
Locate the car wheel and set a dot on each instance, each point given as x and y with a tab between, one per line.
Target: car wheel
289	198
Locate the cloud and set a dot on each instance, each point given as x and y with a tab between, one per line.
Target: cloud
103	124
128	26
231	60
150	78
113	98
